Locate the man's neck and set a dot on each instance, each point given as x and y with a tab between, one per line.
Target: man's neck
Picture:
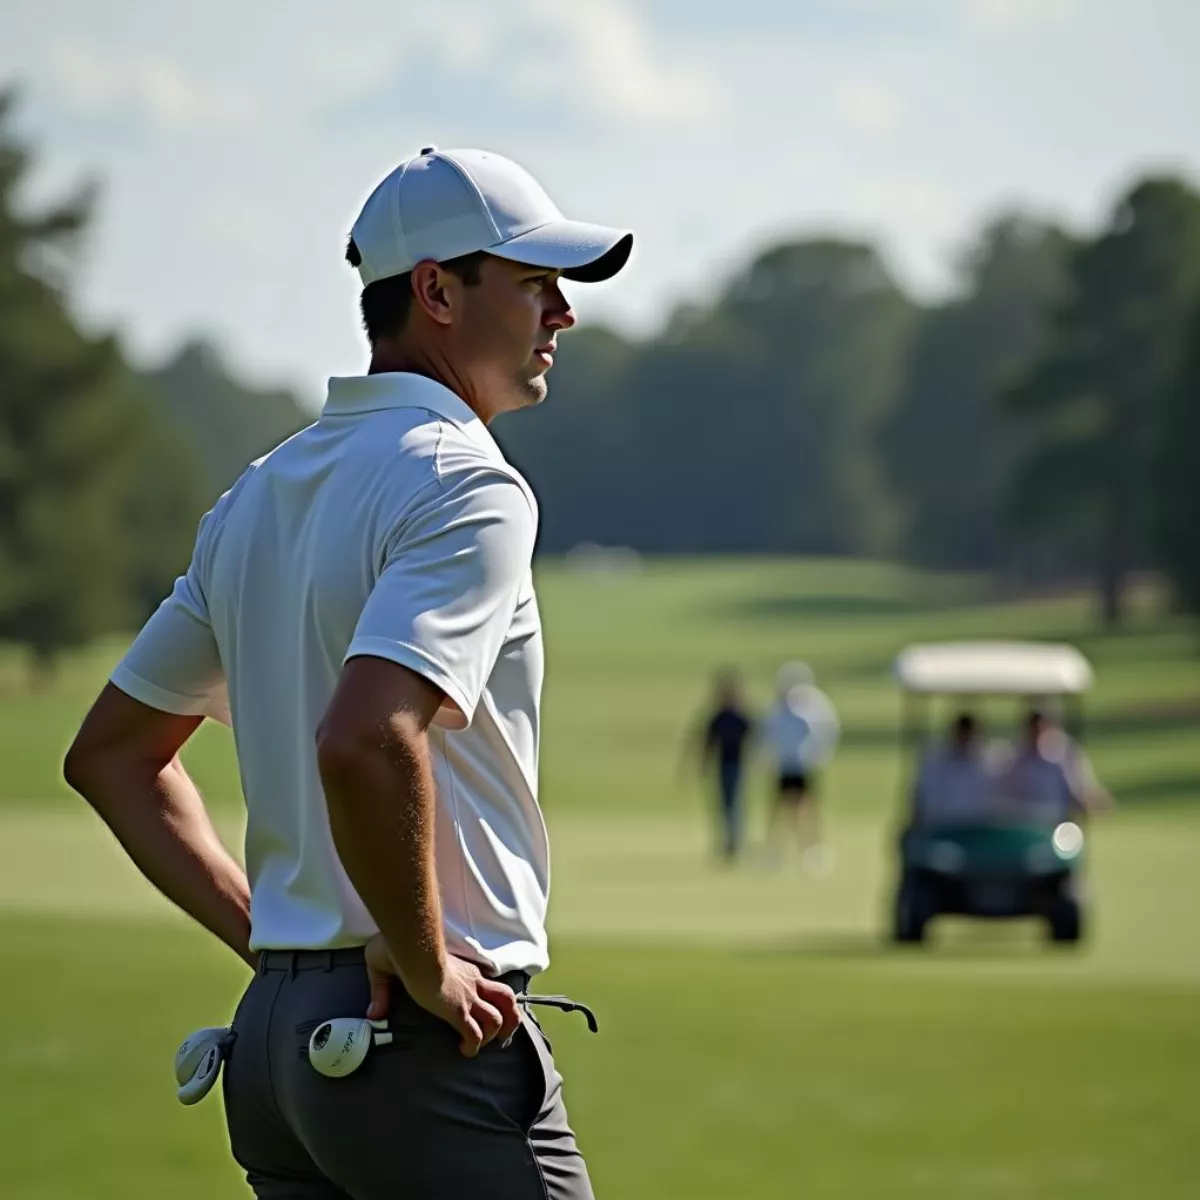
389	359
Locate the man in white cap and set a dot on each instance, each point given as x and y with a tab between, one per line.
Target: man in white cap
360	609
801	731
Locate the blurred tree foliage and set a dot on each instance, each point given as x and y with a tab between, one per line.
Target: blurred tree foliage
1046	415
749	425
1177	472
226	423
97	493
1093	404
949	447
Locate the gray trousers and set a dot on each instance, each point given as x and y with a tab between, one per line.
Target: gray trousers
416	1121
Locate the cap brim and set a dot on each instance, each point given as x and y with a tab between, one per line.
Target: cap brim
588	253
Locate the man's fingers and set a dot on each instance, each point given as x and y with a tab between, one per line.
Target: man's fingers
380	971
493	991
381	995
472	1036
488	1019
512	1022
504	1000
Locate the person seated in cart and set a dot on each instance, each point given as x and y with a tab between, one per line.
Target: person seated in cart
954	785
1048	778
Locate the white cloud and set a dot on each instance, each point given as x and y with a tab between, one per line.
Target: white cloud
152	86
617	71
870	105
910	200
1016	14
342	63
232	163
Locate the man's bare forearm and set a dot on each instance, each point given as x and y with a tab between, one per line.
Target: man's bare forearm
381	815
161	822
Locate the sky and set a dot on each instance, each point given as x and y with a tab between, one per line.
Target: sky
235	142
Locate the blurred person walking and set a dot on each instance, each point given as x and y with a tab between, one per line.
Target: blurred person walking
727	732
360	609
801	732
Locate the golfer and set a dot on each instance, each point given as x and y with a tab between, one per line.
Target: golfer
801	732
359	607
723	744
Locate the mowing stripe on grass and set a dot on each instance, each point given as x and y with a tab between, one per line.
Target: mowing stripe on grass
651	881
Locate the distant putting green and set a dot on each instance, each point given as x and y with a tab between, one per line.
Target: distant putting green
758	1039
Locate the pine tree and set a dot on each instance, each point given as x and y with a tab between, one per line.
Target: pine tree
97	498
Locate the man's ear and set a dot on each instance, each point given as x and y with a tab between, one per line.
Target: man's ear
434	291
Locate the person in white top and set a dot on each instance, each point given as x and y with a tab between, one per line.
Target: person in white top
801	732
360	609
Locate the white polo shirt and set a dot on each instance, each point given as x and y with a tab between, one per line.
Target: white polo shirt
392	527
802	730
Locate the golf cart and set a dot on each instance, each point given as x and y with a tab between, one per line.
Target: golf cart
996	867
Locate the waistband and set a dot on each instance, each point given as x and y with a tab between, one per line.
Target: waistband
349	956
293	961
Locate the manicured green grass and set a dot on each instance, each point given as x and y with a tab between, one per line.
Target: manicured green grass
819	1071
758	1039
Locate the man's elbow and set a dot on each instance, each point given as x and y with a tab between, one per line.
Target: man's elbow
83	767
99	768
339	758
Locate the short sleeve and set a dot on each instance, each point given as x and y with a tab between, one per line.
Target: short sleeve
831	725
174	664
452	576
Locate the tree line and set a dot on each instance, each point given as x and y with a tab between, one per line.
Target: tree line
1039	424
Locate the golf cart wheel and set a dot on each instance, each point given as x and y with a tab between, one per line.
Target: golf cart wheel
1065	919
912	914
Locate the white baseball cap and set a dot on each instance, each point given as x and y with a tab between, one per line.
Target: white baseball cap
445	203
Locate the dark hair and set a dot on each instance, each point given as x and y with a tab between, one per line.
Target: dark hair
965	724
386	302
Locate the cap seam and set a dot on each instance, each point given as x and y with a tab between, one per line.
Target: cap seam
469	180
398	220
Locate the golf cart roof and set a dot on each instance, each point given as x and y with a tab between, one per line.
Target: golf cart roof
994	668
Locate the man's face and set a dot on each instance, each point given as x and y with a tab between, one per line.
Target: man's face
506	334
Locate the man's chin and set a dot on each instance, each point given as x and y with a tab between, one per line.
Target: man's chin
534	391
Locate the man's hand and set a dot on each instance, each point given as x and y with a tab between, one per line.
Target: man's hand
479	1008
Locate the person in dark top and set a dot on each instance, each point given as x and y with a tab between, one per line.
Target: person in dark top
725	739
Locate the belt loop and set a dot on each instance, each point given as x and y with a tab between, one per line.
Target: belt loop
328	961
293	961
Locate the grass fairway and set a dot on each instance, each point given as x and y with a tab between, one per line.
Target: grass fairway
757	1039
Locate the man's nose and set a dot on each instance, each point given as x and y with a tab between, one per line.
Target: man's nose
559	314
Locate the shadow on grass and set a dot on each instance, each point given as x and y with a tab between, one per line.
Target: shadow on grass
834	605
836	946
979	941
1166	790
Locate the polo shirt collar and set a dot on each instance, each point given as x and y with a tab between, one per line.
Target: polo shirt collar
355	394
